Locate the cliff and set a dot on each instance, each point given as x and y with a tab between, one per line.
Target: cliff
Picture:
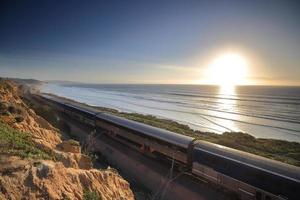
36	164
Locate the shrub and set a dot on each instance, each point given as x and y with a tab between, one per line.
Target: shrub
19	119
3	106
5	113
12	109
90	195
17	143
73	142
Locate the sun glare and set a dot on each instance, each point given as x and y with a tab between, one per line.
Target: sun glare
228	70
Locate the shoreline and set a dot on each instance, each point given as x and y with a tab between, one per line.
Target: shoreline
280	150
220	114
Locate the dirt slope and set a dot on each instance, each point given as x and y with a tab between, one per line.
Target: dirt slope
68	174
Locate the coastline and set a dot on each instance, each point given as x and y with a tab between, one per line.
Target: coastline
201	108
280	150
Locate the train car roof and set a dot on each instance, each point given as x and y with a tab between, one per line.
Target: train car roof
158	133
89	111
256	161
47	96
70	104
167	136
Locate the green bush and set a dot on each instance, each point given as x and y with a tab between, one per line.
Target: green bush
19	119
90	195
17	143
73	142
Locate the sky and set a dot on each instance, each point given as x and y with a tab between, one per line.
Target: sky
148	41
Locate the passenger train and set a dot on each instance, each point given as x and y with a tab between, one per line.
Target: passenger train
247	175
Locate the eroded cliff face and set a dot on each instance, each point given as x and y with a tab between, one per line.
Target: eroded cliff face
18	115
68	174
45	179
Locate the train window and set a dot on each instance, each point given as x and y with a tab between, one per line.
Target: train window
258	196
154	139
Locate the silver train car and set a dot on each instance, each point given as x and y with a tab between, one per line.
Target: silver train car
248	175
147	138
253	177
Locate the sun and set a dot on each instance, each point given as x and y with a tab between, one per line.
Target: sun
228	69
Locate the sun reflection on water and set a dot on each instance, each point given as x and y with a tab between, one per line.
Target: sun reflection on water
227	104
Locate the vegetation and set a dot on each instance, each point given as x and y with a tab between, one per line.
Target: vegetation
90	195
13	142
19	119
73	142
5	84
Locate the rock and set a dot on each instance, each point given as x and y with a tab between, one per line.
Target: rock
85	162
71	146
42	171
52	180
74	160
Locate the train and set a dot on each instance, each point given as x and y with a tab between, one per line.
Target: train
247	175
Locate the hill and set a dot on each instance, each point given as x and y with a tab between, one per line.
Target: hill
36	164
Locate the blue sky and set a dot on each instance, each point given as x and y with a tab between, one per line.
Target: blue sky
147	41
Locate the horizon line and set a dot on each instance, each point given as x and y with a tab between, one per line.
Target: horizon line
124	83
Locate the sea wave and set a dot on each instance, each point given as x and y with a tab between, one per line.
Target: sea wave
268	112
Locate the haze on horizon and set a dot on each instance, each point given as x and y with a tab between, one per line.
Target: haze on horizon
177	42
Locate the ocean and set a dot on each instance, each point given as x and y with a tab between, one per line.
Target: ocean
261	111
